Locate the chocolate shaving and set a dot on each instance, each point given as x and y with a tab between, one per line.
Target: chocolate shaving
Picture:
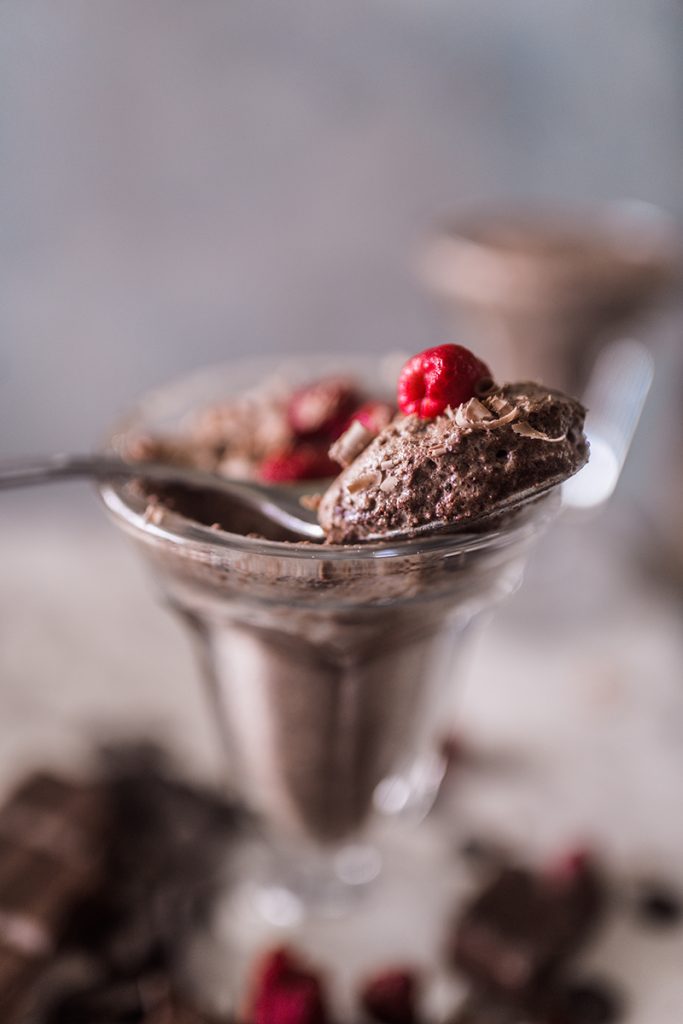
153	514
352	442
388	485
474	415
526	430
364	482
500	405
310	501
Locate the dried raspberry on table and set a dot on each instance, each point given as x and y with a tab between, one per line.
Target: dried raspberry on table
286	992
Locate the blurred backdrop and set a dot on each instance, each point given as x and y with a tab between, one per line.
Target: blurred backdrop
186	181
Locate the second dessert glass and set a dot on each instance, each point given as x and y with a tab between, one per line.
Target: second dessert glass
330	668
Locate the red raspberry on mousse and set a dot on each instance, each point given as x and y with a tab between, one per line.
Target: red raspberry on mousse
437	378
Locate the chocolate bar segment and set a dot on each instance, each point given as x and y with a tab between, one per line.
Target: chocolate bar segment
51	845
18	975
482	1009
523	926
54	816
174	1011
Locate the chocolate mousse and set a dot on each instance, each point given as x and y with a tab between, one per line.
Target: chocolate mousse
330	666
271	433
458	466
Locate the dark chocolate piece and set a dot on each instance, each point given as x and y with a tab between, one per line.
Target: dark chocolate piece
164	861
482	1009
110	878
585	1002
522	928
114	1002
51	838
18	975
658	905
174	1011
482	853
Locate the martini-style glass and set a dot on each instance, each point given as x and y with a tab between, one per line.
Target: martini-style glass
330	669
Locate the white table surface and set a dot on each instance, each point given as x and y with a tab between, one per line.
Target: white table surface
573	699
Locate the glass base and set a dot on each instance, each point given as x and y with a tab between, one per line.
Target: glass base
286	887
346	920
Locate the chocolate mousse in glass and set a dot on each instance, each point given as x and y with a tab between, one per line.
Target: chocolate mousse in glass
330	666
544	290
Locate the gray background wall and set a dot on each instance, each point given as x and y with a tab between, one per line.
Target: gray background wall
182	181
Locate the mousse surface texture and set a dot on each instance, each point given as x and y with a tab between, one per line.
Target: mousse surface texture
465	463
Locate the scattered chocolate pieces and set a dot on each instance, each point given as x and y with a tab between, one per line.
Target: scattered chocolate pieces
523	927
98	888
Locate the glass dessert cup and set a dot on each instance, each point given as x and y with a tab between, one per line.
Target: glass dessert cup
544	291
330	669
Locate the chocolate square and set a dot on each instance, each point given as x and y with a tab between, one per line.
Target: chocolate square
523	926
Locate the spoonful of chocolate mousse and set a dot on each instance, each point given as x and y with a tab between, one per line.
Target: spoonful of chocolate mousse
460	451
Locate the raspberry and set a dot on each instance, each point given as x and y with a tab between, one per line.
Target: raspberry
437	378
302	462
374	416
286	993
390	997
322	408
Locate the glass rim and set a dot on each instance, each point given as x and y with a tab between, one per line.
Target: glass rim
181	531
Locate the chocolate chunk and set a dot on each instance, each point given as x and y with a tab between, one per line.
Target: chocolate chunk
482	853
482	1009
110	877
51	839
658	905
163	863
113	1002
174	1011
55	816
522	927
586	1002
18	975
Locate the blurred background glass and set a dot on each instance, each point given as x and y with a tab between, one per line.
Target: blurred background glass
183	182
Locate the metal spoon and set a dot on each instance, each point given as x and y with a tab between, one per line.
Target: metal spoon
278	505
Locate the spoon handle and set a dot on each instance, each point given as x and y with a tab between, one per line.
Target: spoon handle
615	397
28	472
274	504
